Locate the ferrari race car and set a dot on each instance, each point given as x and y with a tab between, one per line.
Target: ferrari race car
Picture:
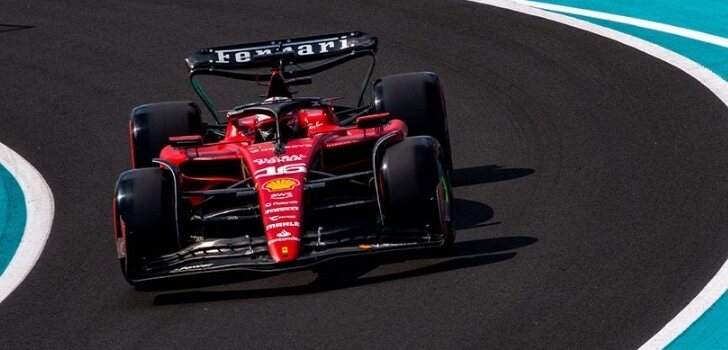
285	182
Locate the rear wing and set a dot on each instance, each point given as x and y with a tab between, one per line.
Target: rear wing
300	50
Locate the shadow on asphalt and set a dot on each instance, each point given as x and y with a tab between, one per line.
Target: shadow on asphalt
486	174
11	27
471	214
331	277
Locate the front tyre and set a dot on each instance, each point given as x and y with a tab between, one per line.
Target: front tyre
416	189
145	218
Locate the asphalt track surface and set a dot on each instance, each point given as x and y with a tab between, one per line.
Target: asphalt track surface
591	182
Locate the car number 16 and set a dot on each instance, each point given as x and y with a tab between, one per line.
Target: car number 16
281	170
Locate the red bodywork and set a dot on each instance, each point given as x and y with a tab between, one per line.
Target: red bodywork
279	178
284	183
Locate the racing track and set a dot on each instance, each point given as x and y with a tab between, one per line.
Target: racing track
591	183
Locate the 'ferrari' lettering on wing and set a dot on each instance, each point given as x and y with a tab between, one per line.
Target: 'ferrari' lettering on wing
244	55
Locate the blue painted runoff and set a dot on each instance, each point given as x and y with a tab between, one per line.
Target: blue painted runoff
13	215
708	16
710	331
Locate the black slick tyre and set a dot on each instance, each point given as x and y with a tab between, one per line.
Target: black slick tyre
416	188
417	99
146	221
153	124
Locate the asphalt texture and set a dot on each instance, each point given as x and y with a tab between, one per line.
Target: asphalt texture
590	183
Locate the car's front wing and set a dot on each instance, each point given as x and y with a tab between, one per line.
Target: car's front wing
251	254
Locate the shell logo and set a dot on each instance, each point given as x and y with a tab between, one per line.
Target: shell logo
282	184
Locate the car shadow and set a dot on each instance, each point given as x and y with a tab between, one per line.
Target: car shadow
483	174
471	214
11	27
330	276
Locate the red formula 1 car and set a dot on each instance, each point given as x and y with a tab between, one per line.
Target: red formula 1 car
286	182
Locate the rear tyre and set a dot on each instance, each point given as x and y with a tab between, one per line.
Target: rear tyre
416	188
416	99
144	205
153	124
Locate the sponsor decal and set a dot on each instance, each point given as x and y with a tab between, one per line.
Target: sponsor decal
283	239
283	233
280	159
278	210
192	267
282	184
281	170
121	241
281	217
301	145
314	126
120	248
300	49
340	143
256	149
278	204
283	195
282	224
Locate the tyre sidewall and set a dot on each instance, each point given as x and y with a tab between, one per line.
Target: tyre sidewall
153	124
144	202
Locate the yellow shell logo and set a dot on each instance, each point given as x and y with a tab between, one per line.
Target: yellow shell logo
284	184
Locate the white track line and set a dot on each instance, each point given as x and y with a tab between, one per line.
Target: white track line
719	283
39	218
657	26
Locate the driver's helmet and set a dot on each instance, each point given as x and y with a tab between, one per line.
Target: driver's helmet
266	126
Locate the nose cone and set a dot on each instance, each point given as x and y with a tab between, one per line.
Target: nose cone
281	200
280	179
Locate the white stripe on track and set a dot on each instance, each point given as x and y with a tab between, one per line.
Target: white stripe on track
40	209
657	26
719	87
